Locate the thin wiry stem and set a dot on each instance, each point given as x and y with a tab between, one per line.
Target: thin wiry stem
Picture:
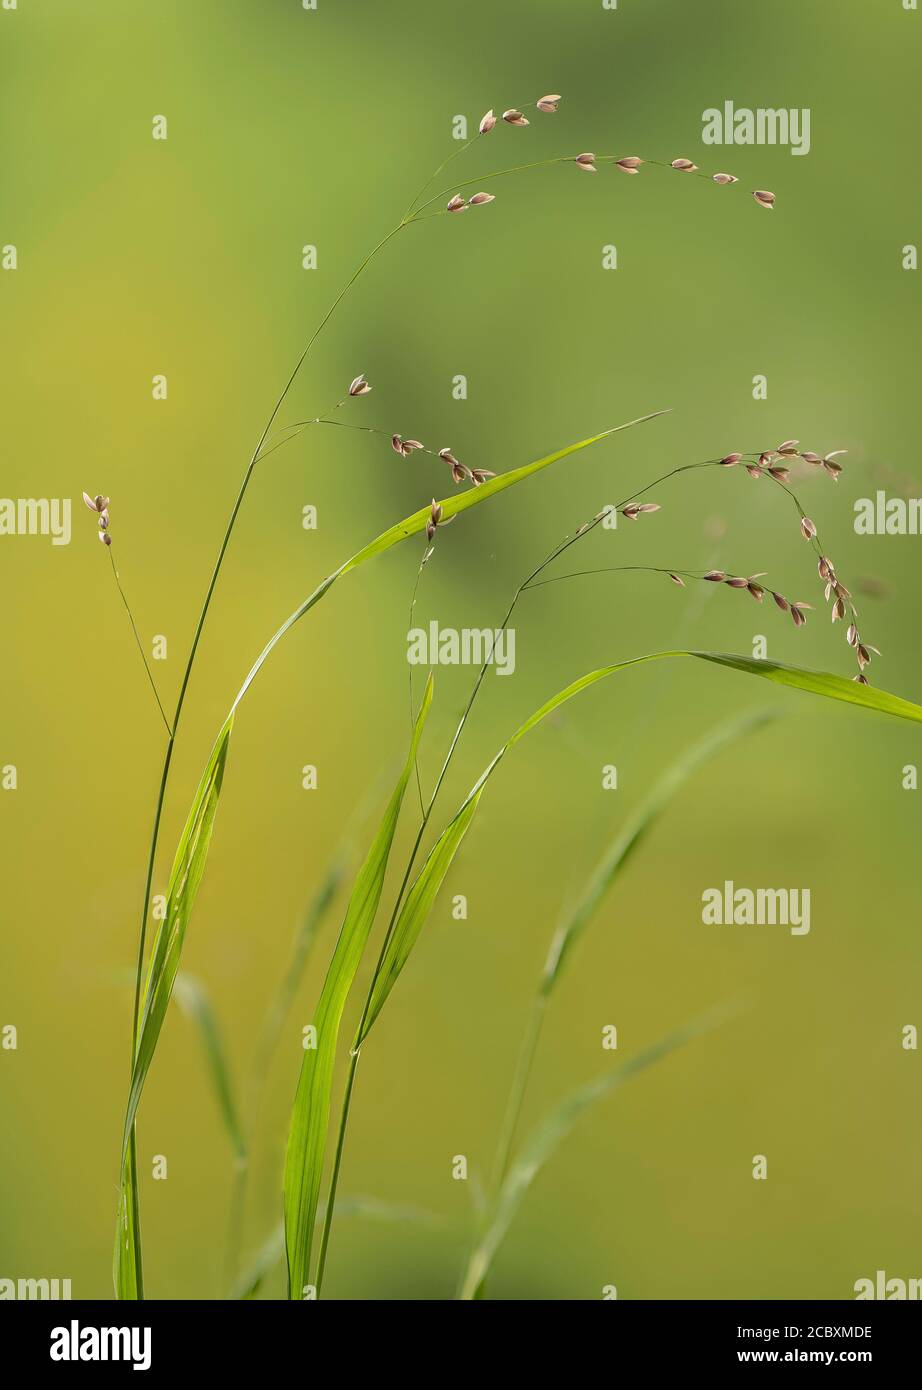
419	574
137	638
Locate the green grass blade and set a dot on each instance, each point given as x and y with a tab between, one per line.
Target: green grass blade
417	522
473	497
817	683
550	1133
634	832
126	1256
193	999
310	1116
427	883
185	877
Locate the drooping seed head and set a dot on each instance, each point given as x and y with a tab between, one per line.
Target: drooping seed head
798	615
487	122
548	104
685	166
764	198
586	161
838	610
781	601
807	529
359	387
851	635
725	178
479	199
863	655
513	117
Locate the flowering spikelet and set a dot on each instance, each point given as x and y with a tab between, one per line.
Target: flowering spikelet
100	505
455	204
587	162
764	198
725	178
685	166
359	387
479	199
513	117
487	122
635	509
629	165
548	104
435	516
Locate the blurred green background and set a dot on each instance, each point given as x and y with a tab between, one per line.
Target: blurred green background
137	257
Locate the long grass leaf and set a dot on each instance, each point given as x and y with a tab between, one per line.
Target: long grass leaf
185	877
195	1003
545	1138
417	522
126	1257
307	1135
629	838
426	885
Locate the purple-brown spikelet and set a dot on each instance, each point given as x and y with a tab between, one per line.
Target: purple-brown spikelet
548	104
359	387
487	123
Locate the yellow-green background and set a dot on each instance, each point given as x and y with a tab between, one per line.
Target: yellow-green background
139	257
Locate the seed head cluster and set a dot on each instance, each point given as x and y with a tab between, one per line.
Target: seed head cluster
100	505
